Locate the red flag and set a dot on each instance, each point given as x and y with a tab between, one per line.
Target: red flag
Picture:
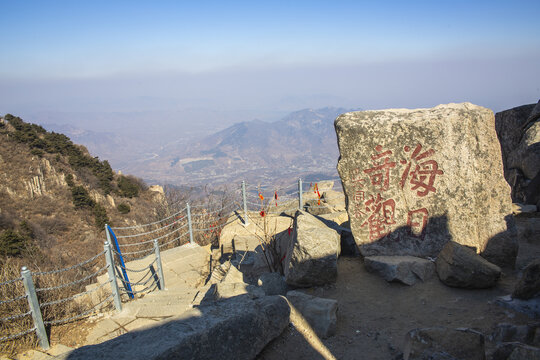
262	213
275	196
261	196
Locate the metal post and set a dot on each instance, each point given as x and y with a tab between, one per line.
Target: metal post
189	223
112	278
300	202
246	219
34	307
125	280
159	267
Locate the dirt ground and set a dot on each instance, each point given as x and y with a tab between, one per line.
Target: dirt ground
374	315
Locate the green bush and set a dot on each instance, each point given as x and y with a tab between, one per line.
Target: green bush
128	187
37	152
123	208
81	198
12	243
69	180
100	216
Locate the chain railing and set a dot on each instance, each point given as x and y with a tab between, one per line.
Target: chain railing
136	244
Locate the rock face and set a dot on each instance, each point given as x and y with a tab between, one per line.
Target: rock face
518	130
459	266
312	254
444	344
272	284
203	333
320	313
415	179
529	284
405	269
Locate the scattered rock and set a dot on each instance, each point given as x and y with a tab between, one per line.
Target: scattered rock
313	252
339	217
460	266
522	208
320	313
233	275
442	343
316	207
518	130
415	179
202	333
405	269
528	285
502	249
229	290
514	333
522	352
530	307
272	284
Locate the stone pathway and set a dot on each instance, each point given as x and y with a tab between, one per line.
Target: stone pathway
185	269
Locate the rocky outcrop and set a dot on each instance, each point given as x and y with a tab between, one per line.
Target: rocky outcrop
528	285
518	130
415	179
405	269
460	266
272	284
442	343
312	254
320	313
202	333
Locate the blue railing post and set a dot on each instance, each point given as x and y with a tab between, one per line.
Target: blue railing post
110	233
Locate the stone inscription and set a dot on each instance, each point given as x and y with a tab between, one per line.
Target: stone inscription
416	170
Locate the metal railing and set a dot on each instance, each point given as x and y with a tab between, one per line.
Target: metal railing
137	244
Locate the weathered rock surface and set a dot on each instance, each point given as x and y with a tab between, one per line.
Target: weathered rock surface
528	285
515	333
518	130
502	250
312	254
320	313
415	179
317	207
443	343
203	333
460	266
272	284
229	290
405	269
522	352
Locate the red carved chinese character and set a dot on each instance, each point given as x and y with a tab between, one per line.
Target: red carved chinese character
381	215
356	178
417	221
359	195
423	176
379	174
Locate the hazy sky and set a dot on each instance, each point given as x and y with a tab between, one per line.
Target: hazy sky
266	57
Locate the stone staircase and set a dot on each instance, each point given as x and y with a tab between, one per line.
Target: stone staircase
185	269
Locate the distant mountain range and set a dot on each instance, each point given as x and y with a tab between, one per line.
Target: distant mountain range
301	144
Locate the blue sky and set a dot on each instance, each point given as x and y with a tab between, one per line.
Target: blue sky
206	53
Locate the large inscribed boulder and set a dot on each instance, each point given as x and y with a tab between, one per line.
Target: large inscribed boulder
415	179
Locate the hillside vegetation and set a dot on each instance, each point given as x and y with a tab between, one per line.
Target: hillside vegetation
55	198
